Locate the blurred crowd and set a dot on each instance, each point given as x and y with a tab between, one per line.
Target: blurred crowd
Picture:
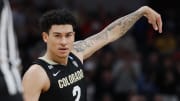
143	65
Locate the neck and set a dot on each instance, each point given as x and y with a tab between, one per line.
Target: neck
56	59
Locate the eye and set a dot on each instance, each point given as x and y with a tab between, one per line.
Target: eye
56	35
69	34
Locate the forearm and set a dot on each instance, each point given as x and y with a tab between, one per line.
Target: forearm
112	32
115	30
120	26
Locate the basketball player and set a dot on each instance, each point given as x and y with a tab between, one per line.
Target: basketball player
58	75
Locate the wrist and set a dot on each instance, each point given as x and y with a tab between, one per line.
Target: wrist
143	10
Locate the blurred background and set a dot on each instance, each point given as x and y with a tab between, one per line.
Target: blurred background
143	65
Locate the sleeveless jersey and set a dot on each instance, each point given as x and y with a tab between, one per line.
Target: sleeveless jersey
67	83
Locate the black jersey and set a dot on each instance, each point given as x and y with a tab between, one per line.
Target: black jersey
67	83
4	94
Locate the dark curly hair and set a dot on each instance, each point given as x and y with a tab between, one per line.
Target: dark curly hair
57	17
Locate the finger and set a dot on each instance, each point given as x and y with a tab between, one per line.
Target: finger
152	21
155	26
159	23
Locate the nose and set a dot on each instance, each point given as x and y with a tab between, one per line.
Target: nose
63	41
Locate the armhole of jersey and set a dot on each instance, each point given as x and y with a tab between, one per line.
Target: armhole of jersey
77	59
44	65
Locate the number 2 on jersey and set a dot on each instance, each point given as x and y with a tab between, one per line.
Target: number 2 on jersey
76	92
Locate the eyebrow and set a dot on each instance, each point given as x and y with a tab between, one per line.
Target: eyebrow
61	33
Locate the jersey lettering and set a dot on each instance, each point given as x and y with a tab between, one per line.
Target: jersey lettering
70	79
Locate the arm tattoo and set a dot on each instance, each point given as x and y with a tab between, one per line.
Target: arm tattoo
102	38
82	45
126	22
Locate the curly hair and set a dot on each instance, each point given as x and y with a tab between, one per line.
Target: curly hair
56	17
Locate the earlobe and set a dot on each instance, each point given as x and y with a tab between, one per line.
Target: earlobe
45	36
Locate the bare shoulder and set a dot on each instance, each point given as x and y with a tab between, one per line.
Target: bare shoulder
35	76
34	71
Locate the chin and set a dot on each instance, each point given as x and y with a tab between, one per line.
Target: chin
63	55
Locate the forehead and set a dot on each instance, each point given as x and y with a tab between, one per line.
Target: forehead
61	28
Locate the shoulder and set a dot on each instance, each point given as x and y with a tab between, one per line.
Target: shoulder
79	55
35	76
34	70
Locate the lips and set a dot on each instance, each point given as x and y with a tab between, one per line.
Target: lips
63	50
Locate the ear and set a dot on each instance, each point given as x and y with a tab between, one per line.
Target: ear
45	36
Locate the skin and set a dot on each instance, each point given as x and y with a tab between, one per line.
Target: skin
60	42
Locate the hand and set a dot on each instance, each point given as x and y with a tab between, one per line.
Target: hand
153	17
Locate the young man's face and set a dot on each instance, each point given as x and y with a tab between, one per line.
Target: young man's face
60	40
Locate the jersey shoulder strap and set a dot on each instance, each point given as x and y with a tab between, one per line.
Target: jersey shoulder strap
75	59
44	65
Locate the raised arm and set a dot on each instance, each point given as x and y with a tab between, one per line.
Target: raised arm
115	30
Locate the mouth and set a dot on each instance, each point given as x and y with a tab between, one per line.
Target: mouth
63	50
